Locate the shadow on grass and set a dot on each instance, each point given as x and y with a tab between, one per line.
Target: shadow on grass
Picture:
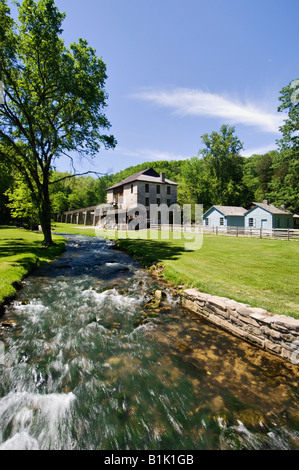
149	252
15	247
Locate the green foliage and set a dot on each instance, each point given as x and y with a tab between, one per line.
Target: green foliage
224	165
6	180
263	177
289	97
217	175
21	205
54	98
285	182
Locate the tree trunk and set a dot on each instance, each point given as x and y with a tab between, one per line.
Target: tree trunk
45	215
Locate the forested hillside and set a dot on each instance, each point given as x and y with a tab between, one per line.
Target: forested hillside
271	176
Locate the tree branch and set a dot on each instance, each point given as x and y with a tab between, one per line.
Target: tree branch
78	174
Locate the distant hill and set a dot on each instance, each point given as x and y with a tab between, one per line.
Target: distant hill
172	170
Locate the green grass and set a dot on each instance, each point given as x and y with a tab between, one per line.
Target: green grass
261	273
73	229
20	251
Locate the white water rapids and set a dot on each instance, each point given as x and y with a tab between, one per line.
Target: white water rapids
88	365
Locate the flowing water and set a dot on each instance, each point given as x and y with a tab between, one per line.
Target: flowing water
89	364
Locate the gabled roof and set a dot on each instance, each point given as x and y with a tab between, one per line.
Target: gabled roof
149	175
229	210
270	208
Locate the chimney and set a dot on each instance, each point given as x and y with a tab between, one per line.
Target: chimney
162	177
265	201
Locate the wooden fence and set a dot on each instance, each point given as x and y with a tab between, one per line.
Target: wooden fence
278	233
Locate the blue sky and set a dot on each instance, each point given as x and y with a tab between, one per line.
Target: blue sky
179	69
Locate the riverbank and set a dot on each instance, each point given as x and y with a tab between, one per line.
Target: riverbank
21	251
91	363
260	273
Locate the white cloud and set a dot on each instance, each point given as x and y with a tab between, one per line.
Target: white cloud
192	102
147	154
258	150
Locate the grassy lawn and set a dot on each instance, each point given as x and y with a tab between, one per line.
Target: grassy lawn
74	229
20	251
261	273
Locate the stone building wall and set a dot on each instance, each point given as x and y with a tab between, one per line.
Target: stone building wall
152	195
135	193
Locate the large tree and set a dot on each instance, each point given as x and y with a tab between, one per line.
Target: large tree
289	97
53	100
286	171
224	166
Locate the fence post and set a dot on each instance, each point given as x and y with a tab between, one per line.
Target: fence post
261	232
237	232
288	234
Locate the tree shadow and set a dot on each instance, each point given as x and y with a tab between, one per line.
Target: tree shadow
149	252
18	246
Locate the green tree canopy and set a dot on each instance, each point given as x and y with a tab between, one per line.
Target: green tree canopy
289	97
53	101
224	166
285	185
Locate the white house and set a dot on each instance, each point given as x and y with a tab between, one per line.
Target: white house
231	216
265	215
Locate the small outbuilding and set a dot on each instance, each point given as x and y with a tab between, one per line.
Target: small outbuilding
230	216
296	221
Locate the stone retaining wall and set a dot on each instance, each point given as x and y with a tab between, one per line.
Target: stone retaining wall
278	334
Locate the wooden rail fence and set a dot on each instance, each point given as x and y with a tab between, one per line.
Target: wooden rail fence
280	233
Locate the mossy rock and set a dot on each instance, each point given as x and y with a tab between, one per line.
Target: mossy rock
252	419
153	304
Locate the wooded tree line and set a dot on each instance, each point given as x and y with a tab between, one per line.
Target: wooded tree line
235	181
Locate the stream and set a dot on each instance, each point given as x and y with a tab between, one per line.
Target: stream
94	362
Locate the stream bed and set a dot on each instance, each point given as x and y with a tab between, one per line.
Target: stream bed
93	361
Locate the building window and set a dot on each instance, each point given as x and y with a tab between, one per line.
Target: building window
168	202
250	222
168	190
158	189
147	203
221	221
207	221
147	188
132	188
158	201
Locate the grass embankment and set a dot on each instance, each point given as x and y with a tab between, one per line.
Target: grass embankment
261	273
21	251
